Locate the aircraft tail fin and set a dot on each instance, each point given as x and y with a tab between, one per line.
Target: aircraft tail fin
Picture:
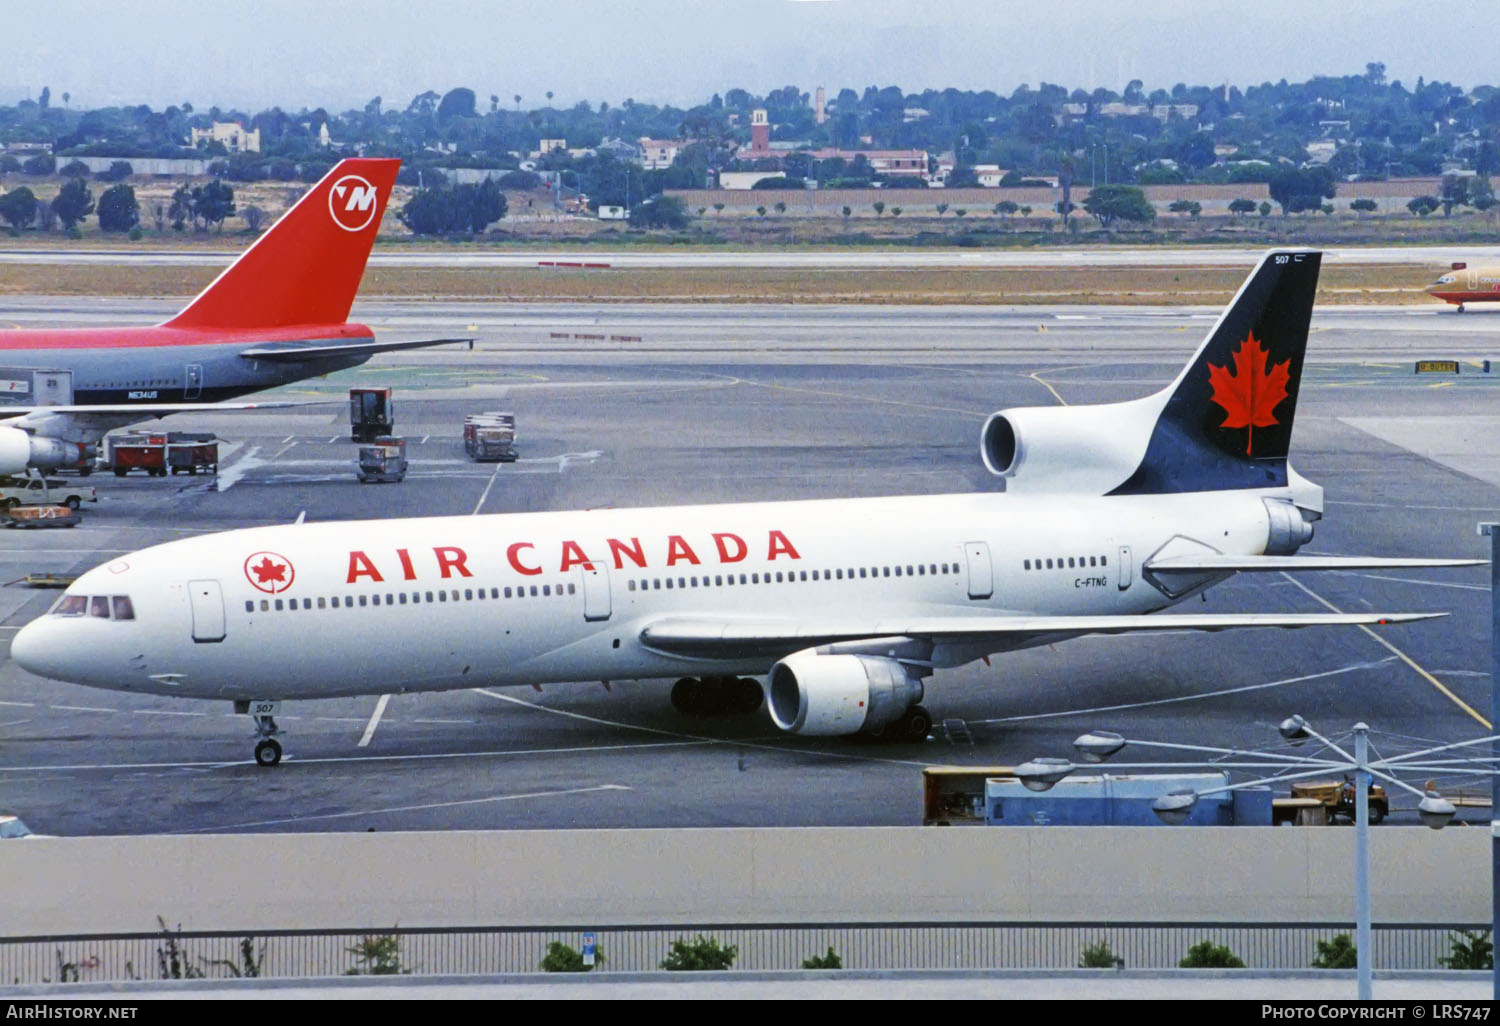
307	267
1227	419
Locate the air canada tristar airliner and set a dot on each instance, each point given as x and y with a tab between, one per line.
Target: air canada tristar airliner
1108	515
278	314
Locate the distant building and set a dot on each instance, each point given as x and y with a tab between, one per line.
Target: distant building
760	130
1321	151
546	146
658	154
821	106
231	134
609	212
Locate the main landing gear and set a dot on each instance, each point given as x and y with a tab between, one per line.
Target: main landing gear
712	696
267	748
911	726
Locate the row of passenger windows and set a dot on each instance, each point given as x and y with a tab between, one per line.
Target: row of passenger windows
400	598
790	576
1066	564
105	607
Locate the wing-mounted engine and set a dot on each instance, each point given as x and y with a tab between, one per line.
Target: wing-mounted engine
821	693
21	449
1087	450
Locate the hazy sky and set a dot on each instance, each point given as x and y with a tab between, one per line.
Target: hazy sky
337	54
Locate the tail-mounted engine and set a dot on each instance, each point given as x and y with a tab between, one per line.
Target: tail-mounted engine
1084	449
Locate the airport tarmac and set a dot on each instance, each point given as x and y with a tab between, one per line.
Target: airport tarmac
746	403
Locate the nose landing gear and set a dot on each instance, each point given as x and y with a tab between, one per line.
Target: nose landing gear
267	748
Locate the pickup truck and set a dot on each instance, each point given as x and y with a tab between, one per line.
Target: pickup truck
40	491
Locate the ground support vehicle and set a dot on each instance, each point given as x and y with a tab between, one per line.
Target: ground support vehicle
1321	802
489	437
383	462
136	450
190	454
371	414
35	490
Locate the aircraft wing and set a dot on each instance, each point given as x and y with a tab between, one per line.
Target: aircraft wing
1213	563
146	410
295	352
728	638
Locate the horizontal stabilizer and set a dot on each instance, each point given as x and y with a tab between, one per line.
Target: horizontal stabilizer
295	352
710	638
1249	564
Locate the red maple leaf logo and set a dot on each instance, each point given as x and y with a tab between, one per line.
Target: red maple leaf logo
1249	393
269	571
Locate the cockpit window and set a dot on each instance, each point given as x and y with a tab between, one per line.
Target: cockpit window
1446	279
70	605
122	607
99	606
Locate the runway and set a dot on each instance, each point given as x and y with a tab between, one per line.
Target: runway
1060	256
741	404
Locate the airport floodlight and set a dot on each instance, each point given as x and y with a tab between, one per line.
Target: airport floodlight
1435	811
1174	807
1294	729
1098	745
1041	774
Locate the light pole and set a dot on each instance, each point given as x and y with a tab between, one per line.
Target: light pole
1277	767
1493	531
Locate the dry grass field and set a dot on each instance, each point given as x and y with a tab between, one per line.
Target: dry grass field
1162	286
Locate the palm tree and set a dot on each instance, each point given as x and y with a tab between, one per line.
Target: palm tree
718	209
942	208
780	207
879	206
517	98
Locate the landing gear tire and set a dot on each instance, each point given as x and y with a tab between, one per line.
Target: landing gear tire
1460	308
686	696
915	724
268	752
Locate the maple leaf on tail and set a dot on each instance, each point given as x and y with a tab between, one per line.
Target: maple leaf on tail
1251	392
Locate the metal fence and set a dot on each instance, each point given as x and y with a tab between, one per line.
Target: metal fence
170	954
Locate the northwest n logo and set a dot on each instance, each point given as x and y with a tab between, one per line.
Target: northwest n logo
352	202
269	572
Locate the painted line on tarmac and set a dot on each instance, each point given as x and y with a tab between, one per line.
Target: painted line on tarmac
364	742
696	738
1428	584
412	808
15	723
486	493
1322	675
1408	660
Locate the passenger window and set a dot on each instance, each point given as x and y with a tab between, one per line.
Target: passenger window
630	584
349	601
402	597
429	596
374	600
1104	561
321	602
333	601
682	582
442	596
265	605
249	605
839	574
507	592
278	605
363	601
533	591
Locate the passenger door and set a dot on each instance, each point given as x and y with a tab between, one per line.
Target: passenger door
981	575
596	601
207	600
192	381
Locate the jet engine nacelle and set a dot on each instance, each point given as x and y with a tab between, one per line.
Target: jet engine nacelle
21	449
1084	449
820	694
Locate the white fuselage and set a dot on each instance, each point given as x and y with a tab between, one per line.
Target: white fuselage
438	603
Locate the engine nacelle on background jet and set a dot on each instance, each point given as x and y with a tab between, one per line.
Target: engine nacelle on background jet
21	449
1084	449
825	695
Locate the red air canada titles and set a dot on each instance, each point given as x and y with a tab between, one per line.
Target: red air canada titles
718	548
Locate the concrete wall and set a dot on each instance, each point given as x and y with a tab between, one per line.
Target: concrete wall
1048	874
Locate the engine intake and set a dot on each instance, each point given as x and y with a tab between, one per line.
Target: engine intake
823	695
1084	449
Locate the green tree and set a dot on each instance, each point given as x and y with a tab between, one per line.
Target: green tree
1469	950
19	207
1208	955
663	212
181	209
74	169
942	208
718	209
1264	208
253	217
879	206
1423	205
895	211
212	203
1241	206
74	202
844	213
561	958
780	207
961	212
1192	208
1109	203
1006	207
118	171
41	164
1363	205
701	953
831	960
1298	189
118	209
1339	953
456	103
1099	956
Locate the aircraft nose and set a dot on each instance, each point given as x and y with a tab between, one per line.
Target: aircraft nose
37	649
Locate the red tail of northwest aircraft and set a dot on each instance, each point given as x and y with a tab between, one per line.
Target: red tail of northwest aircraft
278	314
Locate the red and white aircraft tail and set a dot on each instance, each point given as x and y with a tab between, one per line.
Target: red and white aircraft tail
307	267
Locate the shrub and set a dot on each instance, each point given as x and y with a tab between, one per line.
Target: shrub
701	953
377	956
1208	955
561	958
1339	953
1100	956
1469	950
831	960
